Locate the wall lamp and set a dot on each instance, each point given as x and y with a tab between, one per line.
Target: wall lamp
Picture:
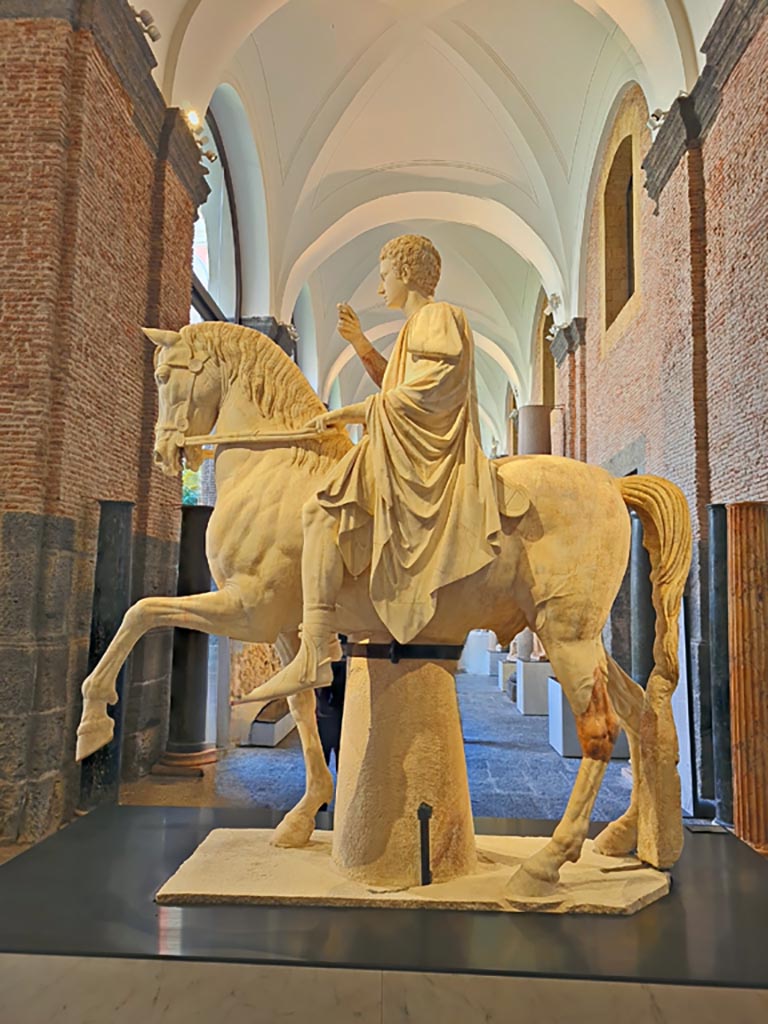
147	22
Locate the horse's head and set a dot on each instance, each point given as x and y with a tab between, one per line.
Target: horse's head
189	392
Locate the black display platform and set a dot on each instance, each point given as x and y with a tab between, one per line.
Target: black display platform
88	891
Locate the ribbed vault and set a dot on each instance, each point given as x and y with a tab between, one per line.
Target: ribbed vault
476	122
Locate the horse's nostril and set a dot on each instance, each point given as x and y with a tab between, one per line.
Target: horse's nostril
158	457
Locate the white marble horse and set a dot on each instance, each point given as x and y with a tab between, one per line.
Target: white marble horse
565	547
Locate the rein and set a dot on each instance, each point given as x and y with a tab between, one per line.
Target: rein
260	437
195	366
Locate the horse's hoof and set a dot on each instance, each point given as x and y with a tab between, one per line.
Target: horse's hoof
523	884
295	830
91	736
619	839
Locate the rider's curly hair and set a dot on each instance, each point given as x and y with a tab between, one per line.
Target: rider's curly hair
420	256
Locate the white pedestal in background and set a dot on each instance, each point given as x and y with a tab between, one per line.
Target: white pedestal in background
532	679
505	671
244	731
562	726
496	659
476	656
269	734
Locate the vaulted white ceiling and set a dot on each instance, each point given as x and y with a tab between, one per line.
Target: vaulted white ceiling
477	123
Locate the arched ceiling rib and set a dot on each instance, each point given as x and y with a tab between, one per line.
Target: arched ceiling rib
482	118
486	215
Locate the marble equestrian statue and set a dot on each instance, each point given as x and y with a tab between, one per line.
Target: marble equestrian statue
536	541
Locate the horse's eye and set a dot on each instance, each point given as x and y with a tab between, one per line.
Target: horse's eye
161	375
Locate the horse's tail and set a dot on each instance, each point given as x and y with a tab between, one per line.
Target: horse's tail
663	512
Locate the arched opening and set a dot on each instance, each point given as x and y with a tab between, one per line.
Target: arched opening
306	353
216	259
619	229
246	186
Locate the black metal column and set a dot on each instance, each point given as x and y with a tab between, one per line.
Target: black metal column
187	745
719	668
100	775
643	617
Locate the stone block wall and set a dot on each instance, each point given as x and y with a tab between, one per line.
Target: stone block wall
641	371
101	187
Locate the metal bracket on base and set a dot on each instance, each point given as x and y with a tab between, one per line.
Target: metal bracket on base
424	813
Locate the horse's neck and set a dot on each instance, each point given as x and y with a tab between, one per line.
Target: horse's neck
239	413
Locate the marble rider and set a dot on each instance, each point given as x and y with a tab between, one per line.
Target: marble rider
415	501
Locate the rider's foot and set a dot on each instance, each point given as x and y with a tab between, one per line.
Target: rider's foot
310	669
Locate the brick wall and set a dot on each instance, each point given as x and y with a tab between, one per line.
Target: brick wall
644	386
99	201
678	385
736	174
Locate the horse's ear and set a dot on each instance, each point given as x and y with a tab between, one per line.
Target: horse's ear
164	338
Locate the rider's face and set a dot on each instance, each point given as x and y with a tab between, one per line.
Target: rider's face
393	286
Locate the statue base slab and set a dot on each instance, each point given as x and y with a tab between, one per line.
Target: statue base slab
241	866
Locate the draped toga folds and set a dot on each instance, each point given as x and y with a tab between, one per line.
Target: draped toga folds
416	499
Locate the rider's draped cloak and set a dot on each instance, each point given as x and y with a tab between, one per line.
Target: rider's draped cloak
416	498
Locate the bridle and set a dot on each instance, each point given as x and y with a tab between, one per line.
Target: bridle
195	367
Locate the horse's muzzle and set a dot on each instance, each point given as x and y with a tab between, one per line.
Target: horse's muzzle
167	456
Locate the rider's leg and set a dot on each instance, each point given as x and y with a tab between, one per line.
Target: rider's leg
322	572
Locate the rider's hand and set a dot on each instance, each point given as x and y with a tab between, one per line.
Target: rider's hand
338	418
349	326
319	423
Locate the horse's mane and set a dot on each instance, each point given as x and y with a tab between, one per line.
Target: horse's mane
272	381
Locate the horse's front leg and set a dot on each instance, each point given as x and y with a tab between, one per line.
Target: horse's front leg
219	612
297	826
597	726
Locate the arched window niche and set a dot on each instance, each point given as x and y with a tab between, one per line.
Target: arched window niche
216	258
619	231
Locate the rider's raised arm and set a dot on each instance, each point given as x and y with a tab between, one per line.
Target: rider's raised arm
349	328
374	362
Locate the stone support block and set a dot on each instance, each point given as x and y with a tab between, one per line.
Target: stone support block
748	652
403	747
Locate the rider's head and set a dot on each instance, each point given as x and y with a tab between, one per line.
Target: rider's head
416	258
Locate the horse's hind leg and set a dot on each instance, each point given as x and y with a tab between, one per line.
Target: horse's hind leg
582	670
298	824
620	837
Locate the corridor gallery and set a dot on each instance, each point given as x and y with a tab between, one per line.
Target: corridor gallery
469	283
